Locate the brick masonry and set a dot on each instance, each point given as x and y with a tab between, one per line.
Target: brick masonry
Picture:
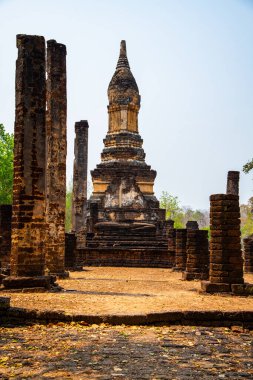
5	235
123	257
233	182
70	250
226	263
79	201
248	254
180	259
28	220
197	263
171	236
56	157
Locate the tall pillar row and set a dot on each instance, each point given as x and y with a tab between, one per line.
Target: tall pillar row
39	164
28	220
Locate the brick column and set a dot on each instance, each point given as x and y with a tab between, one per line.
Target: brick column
192	225
233	182
28	219
5	235
79	201
226	264
197	263
248	254
180	259
56	158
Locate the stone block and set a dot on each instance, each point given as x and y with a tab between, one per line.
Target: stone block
20	282
4	303
212	287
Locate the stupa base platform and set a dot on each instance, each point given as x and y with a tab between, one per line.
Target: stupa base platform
124	257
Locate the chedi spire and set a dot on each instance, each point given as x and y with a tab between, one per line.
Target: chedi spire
123	88
123	61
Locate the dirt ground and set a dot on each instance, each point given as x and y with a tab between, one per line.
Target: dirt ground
107	290
73	351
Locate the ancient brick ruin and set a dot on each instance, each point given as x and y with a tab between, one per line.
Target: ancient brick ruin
180	258
121	224
125	224
5	236
79	200
197	250
248	254
38	212
226	264
171	236
28	217
233	182
56	152
192	225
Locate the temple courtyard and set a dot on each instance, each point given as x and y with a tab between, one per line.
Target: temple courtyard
128	291
87	350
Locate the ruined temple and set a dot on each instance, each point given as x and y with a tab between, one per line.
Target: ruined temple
123	210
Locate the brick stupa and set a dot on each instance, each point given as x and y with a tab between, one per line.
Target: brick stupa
125	224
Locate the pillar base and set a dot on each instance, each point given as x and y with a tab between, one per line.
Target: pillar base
175	269
213	287
4	303
242	289
19	282
194	276
61	275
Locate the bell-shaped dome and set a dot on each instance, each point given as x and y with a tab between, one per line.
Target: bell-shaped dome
123	88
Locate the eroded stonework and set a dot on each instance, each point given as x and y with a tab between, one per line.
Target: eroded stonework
123	182
79	201
28	212
56	157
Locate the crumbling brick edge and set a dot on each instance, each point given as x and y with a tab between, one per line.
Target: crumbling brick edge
213	318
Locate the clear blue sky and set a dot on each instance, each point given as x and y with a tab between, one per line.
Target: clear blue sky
193	63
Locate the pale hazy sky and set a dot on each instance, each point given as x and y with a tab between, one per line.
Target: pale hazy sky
193	63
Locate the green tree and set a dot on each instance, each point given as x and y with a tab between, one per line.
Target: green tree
200	216
6	166
181	215
246	218
173	209
68	211
248	166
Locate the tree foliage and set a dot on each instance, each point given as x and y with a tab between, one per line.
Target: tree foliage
248	166
68	211
246	218
181	215
173	209
6	166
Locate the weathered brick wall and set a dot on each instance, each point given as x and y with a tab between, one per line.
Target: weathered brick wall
28	221
145	258
56	157
5	235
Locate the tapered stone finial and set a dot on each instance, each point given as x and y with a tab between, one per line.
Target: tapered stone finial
123	48
123	61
